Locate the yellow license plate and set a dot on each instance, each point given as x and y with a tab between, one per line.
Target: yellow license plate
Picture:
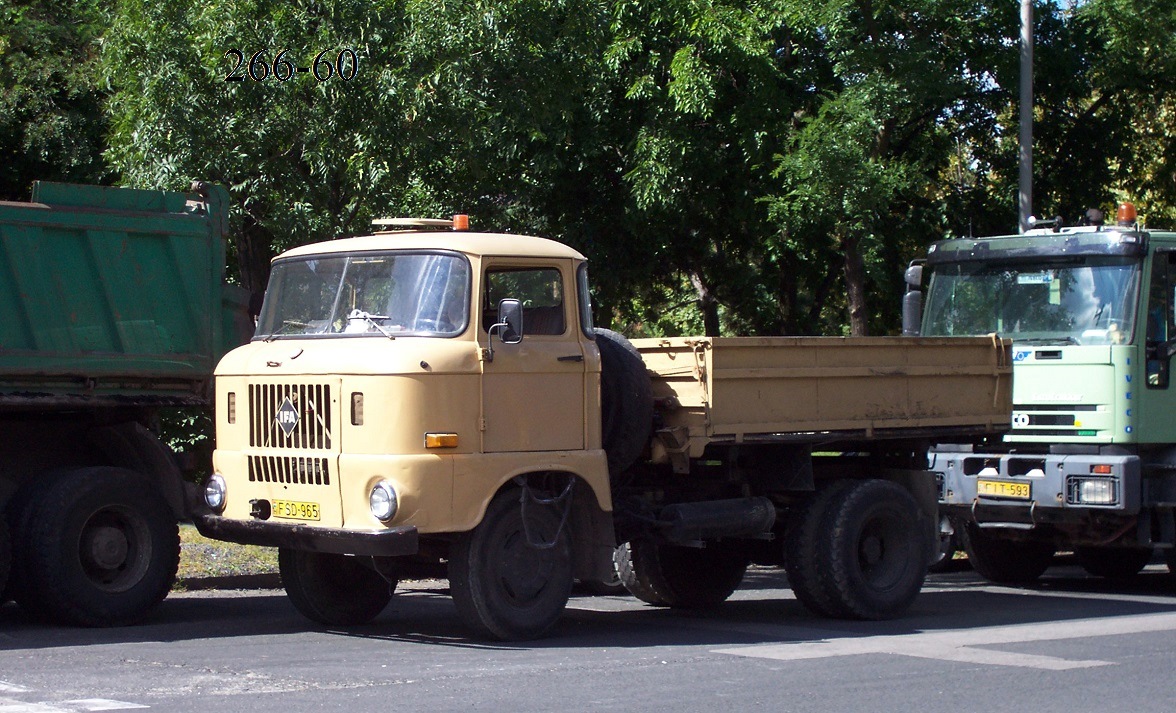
294	510
1003	489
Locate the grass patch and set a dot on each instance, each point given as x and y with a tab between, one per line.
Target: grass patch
201	557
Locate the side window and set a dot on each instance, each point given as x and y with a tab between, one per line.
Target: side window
585	301
539	289
1161	320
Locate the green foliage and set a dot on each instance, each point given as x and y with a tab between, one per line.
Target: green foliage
755	167
51	124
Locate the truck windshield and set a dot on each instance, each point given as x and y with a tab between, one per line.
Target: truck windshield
1077	301
380	295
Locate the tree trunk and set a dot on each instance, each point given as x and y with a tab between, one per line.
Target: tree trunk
254	251
855	286
708	304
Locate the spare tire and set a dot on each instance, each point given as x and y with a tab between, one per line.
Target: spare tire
626	400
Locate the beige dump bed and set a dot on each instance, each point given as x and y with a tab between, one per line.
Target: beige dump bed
811	388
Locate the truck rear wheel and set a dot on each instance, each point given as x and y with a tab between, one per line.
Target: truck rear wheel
511	580
626	400
101	548
331	589
680	577
872	550
1113	562
802	561
1006	561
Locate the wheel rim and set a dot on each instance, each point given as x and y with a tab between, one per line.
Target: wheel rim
114	549
522	571
883	551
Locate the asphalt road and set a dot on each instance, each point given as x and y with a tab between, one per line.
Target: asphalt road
1070	643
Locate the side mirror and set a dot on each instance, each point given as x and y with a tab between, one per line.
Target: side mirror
510	321
912	313
914	276
509	326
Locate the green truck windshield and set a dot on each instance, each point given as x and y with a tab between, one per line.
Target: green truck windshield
1086	300
393	294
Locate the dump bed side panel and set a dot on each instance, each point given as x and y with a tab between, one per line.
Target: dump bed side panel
111	293
734	388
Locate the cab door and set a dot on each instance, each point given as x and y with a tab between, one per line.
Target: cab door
533	391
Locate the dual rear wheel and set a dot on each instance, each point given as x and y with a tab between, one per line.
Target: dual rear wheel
90	547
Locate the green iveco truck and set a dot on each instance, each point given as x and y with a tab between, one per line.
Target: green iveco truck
112	307
1090	462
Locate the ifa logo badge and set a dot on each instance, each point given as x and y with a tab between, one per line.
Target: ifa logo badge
287	416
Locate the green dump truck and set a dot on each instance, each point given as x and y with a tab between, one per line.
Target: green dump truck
112	307
1090	462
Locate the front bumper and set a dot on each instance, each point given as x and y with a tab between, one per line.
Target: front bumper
1054	483
390	542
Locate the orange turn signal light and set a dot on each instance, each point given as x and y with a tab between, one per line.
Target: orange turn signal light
1100	469
440	440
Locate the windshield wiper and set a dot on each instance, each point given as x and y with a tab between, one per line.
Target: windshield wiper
287	323
1049	340
371	318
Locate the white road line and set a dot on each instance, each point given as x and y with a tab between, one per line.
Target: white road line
6	687
8	705
102	704
957	644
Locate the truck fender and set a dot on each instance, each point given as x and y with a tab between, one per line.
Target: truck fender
591	526
131	445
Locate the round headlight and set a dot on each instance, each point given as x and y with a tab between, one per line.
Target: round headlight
214	492
382	501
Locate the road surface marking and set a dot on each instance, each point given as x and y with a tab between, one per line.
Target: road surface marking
9	705
958	644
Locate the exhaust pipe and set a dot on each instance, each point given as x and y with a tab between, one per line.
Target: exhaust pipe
740	517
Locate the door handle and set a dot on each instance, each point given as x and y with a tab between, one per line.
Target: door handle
571	357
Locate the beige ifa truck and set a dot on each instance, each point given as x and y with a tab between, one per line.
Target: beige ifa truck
426	392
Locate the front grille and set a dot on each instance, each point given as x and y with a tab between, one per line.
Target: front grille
293	470
310	402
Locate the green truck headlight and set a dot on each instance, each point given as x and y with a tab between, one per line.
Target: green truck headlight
1093	491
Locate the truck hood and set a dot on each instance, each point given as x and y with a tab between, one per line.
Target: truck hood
351	356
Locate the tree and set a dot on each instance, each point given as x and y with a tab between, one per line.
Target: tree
51	120
862	161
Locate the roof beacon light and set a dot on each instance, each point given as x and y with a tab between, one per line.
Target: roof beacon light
461	221
1126	214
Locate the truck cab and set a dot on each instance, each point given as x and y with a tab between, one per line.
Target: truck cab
388	397
1087	464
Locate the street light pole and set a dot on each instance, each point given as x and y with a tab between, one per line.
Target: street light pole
1025	194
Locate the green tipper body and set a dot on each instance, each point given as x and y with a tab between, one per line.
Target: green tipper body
114	296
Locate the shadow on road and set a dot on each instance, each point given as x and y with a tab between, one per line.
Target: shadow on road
762	611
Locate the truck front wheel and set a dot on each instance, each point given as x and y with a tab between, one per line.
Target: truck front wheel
1113	562
101	548
680	577
5	557
335	590
1006	561
872	543
511	578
